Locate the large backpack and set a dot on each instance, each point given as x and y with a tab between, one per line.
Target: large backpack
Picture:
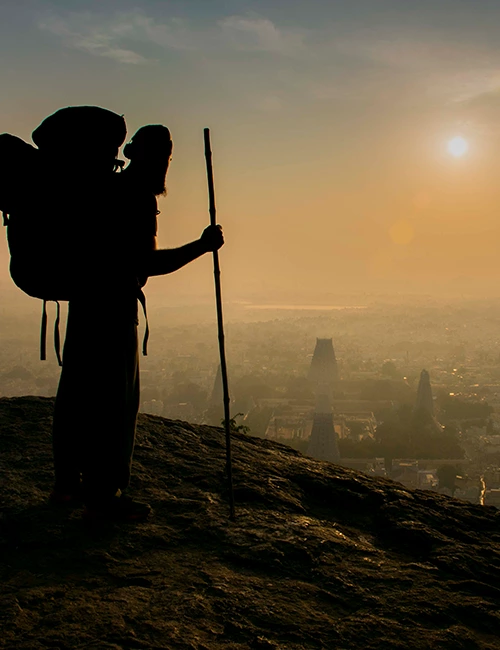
52	196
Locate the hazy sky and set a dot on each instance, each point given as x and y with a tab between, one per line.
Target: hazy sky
330	122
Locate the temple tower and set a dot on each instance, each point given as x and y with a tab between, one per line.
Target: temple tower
424	401
423	413
214	412
217	393
324	372
323	443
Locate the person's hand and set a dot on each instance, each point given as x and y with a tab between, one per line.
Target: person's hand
212	238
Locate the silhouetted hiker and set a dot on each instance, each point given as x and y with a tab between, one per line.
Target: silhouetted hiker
98	395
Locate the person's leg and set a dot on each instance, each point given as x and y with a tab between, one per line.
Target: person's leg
66	430
109	444
116	426
84	423
104	465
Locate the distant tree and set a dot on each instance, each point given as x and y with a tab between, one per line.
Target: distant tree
446	475
405	413
393	440
416	437
298	444
387	389
455	408
299	388
427	443
385	414
234	426
258	420
389	370
363	449
452	430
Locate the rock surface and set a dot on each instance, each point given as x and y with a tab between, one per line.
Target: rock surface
318	557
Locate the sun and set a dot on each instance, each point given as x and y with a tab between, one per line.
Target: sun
458	146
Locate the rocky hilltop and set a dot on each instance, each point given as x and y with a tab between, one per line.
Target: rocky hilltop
318	557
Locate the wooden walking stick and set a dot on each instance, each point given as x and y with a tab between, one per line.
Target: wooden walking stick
220	324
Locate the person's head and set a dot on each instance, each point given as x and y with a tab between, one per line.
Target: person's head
149	153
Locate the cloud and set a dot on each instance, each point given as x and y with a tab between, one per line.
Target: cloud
175	34
260	35
413	49
487	103
440	64
122	36
481	111
119	37
380	64
77	33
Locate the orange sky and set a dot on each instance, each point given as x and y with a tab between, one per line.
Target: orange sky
329	131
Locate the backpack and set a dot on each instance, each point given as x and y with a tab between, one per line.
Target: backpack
49	195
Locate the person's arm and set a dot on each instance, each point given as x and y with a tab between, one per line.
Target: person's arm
168	260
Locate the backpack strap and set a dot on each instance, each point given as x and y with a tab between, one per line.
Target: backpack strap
43	333
142	299
57	336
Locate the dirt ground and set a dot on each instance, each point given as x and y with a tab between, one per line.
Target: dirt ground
318	557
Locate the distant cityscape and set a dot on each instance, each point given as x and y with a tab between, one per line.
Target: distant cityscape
411	393
336	414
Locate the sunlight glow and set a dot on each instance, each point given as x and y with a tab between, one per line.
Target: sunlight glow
458	146
402	232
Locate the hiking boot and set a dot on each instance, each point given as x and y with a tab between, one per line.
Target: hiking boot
70	498
118	508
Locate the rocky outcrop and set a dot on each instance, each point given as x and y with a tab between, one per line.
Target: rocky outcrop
318	557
